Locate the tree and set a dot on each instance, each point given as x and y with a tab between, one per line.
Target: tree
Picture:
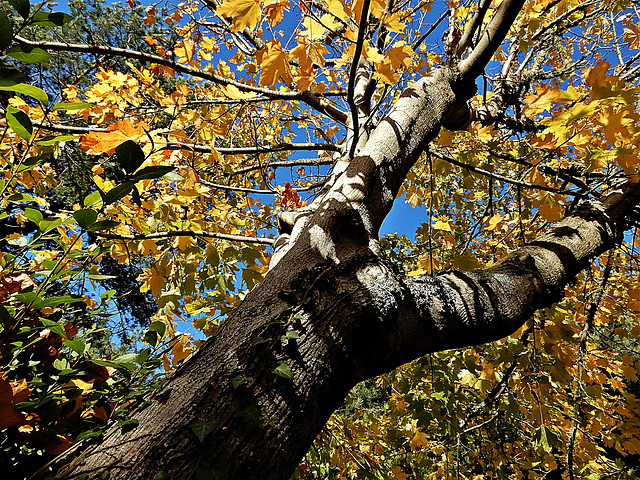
555	141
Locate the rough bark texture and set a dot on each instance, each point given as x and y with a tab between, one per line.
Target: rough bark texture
353	312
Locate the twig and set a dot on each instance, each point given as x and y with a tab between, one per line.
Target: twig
188	233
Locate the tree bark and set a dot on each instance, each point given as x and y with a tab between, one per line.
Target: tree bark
354	314
332	311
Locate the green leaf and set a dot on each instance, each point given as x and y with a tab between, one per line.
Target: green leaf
159	327
127	357
28	54
143	356
30	90
202	429
250	413
61	364
19	123
151	337
49	224
117	193
34	215
89	434
103	225
22	7
76	345
135	197
100	277
162	476
546	438
104	363
92	198
6	31
291	334
130	156
283	370
31	162
52	140
19	197
51	19
11	76
260	340
56	300
85	217
70	106
156	171
174	177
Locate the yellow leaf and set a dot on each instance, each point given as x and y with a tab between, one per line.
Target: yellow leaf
182	349
467	378
86	387
182	242
418	441
274	10
337	8
274	65
551	213
493	221
96	143
151	280
400	55
314	30
440	225
10	394
243	13
309	53
465	263
185	50
393	22
397	473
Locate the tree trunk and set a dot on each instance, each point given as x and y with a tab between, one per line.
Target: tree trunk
333	312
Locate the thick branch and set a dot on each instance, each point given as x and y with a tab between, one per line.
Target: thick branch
473	26
491	38
356	67
460	309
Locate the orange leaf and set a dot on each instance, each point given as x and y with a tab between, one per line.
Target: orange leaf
96	143
10	394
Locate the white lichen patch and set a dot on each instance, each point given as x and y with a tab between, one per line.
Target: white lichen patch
382	287
321	242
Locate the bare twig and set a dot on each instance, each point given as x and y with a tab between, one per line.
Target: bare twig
310	98
188	233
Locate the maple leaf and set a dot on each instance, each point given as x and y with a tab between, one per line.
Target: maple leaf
185	50
10	394
151	281
96	143
274	10
274	64
440	225
182	349
418	441
243	13
309	53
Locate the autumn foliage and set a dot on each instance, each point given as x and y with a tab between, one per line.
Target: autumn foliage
199	143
